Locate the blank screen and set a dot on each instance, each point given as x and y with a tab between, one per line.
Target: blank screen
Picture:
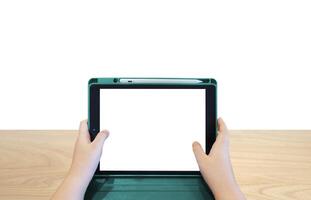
151	129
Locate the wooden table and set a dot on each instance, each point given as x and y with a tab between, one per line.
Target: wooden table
271	165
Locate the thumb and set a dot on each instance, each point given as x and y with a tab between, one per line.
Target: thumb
100	138
198	152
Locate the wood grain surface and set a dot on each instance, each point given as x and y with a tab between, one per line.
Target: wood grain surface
269	165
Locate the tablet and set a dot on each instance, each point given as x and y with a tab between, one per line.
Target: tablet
152	123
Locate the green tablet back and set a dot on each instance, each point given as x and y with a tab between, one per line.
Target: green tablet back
148	188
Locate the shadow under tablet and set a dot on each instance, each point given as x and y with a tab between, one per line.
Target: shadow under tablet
148	188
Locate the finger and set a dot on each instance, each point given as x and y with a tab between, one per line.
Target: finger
100	138
84	134
198	152
222	139
222	127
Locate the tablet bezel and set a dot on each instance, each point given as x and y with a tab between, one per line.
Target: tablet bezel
211	121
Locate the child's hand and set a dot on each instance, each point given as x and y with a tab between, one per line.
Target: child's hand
85	160
216	167
86	153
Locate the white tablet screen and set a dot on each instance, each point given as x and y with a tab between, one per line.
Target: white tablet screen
151	129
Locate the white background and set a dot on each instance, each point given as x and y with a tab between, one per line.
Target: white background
259	51
152	129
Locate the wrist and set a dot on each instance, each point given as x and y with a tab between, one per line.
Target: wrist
72	187
79	177
229	192
76	183
82	172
